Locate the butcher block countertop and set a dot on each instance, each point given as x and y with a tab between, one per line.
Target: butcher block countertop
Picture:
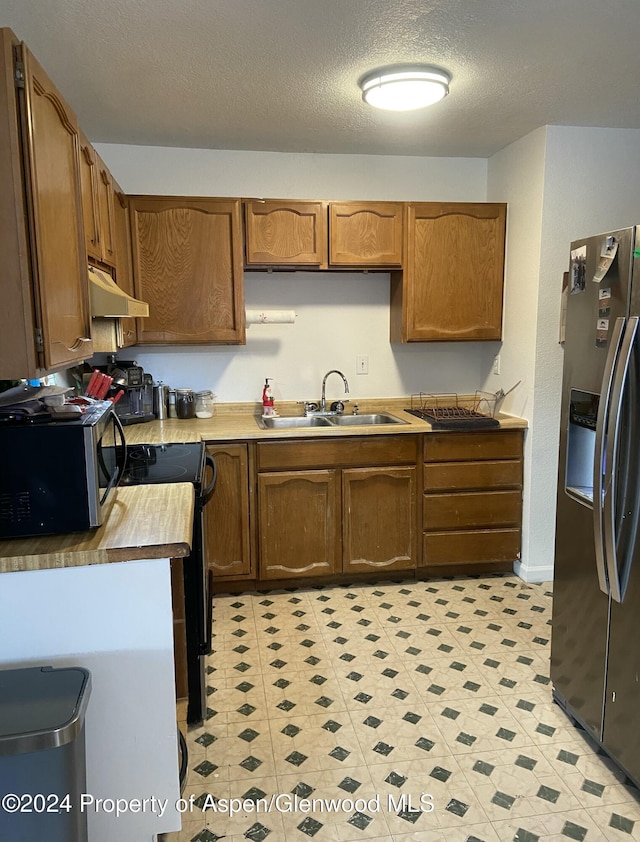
237	422
141	522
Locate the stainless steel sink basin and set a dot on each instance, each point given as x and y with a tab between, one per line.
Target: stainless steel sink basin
365	420
282	422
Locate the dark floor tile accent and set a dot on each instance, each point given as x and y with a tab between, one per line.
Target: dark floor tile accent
365	698
490	662
522	659
440	774
296	758
592	788
302	790
383	748
318	679
508	682
354	676
436	689
471	685
456	665
450	713
281	683
501	799
312	660
526	762
248	735
523	704
251	763
483	768
621	823
242	667
360	820
278	663
414	718
505	734
244	687
332	725
372	721
206	739
399	694
458	808
547	730
290	730
286	705
568	757
525	836
466	739
339	753
254	794
205	768
413	651
490	710
574	831
395	779
324	702
425	744
349	785
206	836
309	826
389	673
548	794
411	816
380	653
424	669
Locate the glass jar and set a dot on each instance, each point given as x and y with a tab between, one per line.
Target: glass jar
185	403
204	404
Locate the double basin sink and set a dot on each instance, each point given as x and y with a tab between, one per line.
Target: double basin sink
310	421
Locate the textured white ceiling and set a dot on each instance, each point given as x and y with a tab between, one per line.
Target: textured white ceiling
282	74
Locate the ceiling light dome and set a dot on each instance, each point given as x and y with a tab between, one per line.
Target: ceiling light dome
405	87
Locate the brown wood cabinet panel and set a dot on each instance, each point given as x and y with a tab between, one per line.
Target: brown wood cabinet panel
452	284
104	196
281	233
88	177
124	269
226	515
54	203
379	519
365	233
298	524
179	629
453	548
351	451
452	476
467	447
187	263
463	510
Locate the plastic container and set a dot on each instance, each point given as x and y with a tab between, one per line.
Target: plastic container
205	407
42	752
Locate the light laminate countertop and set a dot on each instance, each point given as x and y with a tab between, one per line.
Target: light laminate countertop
141	522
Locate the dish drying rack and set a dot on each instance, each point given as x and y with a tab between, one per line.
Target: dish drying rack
454	411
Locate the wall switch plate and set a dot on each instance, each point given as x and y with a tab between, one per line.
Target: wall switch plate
362	364
496	364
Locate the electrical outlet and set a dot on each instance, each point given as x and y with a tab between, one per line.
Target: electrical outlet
362	364
496	364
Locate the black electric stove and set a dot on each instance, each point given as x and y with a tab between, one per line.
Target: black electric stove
152	464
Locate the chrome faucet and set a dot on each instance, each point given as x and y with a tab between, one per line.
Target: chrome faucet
323	402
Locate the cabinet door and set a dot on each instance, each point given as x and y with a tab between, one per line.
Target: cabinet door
226	515
58	254
104	196
187	265
122	247
451	287
379	519
299	527
281	233
365	233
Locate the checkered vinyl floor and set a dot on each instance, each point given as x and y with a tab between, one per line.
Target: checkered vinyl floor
367	693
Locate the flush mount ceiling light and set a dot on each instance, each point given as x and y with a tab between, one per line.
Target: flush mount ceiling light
405	87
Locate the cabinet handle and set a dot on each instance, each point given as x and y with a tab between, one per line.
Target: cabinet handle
76	345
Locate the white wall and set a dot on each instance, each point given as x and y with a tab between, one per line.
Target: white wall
516	176
339	315
591	183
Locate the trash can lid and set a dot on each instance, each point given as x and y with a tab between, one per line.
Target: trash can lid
41	707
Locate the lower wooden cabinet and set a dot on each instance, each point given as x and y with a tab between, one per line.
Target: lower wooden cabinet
179	629
337	506
379	519
226	515
472	504
299	524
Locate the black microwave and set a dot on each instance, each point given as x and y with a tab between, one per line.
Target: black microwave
55	476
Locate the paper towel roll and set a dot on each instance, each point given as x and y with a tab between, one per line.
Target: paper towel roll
270	317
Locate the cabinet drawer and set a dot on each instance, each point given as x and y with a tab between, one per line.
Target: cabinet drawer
449	476
441	548
488	444
336	453
472	510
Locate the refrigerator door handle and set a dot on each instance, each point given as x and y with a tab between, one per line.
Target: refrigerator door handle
613	437
602	423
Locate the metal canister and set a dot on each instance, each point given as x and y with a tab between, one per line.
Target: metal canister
185	403
160	400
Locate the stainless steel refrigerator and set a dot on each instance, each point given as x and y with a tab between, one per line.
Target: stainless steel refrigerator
595	643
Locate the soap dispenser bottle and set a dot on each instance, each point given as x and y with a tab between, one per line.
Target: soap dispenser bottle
267	399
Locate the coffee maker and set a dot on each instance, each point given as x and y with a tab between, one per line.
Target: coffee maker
136	404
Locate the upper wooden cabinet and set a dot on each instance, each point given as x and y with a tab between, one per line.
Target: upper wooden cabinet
44	320
285	233
97	205
452	284
187	265
122	249
322	235
365	233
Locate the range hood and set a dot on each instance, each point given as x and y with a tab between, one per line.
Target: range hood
108	300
